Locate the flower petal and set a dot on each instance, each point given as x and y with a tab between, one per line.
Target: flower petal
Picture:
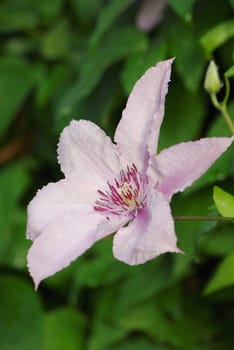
57	199
150	234
179	166
138	130
84	150
150	14
64	239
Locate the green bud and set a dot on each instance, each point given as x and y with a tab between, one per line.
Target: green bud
212	83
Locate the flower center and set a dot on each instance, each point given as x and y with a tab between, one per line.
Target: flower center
125	195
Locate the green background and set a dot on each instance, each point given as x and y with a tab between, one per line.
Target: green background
71	59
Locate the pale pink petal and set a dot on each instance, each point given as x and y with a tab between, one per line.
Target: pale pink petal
179	166
150	234
138	130
64	239
86	152
57	199
150	14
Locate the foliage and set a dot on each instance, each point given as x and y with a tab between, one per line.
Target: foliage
79	59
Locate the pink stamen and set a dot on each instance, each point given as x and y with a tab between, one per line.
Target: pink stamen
125	196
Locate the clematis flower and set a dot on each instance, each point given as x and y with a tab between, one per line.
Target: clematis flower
150	14
122	187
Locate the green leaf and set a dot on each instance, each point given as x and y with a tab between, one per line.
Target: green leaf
10	195
230	72
183	8
108	92
218	241
155	277
48	10
232	3
21	315
106	18
195	203
190	60
17	249
219	126
174	318
176	116
49	83
56	43
139	62
105	335
223	276
223	167
63	329
17	79
138	345
86	10
19	46
102	270
115	48
17	14
217	36
224	202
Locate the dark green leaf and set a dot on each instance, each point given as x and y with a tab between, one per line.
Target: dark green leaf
232	3
56	42
48	10
184	45
63	329
218	241
183	8
114	49
105	335
18	14
86	10
230	72
21	315
17	79
223	276
139	62
217	36
49	83
139	345
185	118
103	269
10	195
107	16
147	280
187	230
174	318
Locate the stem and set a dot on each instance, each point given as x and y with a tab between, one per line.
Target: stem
222	107
223	110
205	218
215	101
227	93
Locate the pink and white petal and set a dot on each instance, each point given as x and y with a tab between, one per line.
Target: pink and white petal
138	130
84	150
56	199
150	14
177	167
150	234
63	240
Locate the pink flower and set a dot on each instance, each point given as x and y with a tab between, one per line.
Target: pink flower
150	14
123	186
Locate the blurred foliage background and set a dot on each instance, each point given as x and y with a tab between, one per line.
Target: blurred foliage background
66	59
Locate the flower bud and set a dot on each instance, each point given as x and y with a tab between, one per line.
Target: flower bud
212	83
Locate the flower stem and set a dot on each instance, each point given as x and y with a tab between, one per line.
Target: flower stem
222	106
227	117
205	218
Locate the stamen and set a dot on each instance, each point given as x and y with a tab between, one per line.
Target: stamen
124	196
